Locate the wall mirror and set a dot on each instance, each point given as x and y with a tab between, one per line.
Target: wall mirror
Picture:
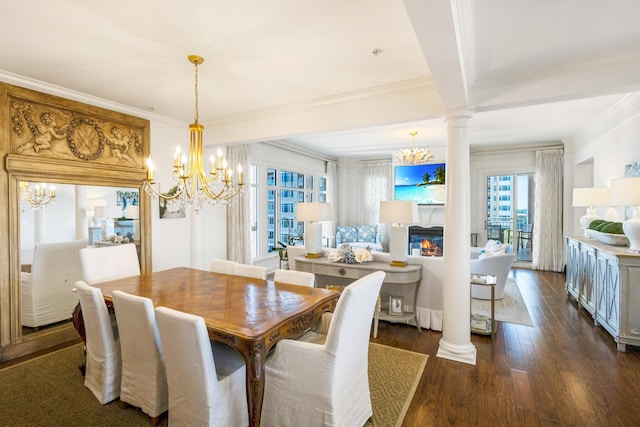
96	215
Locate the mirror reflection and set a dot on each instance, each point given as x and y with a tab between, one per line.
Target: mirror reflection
52	232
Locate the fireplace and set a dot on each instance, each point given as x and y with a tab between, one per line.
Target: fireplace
429	240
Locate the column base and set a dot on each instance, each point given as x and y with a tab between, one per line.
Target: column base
459	353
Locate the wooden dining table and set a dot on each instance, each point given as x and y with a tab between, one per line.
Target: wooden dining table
250	315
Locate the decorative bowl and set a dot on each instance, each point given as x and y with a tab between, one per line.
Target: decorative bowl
608	239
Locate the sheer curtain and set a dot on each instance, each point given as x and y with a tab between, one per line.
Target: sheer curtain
329	227
548	246
376	181
238	221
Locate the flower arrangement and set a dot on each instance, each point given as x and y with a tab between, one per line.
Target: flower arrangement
344	253
117	238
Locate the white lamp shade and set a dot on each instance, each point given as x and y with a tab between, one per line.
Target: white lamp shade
131	212
590	197
399	212
313	211
98	212
625	191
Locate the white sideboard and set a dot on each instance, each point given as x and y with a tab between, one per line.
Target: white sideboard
605	280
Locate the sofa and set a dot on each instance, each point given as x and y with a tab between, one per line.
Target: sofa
47	295
360	236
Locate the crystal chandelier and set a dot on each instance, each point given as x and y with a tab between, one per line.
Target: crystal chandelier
413	155
193	186
37	197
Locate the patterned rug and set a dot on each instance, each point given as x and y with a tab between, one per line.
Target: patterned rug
49	391
510	309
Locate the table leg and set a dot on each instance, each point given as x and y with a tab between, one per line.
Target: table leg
254	359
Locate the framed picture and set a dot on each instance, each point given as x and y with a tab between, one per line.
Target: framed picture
396	305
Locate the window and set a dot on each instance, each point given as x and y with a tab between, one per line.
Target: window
284	189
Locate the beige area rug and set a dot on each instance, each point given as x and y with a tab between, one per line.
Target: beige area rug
49	391
511	308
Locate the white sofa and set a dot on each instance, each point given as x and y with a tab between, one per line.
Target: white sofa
429	304
47	295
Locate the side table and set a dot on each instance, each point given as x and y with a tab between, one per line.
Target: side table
480	324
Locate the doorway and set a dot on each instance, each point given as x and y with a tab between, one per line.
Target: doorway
510	212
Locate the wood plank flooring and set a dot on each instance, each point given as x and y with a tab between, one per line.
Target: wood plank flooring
563	371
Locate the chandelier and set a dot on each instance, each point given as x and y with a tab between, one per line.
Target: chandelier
193	186
37	197
413	155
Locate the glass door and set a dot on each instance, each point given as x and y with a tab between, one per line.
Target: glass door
510	212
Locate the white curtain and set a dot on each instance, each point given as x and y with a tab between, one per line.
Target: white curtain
329	227
548	246
238	220
376	182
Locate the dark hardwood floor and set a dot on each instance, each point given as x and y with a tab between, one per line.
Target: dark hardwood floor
563	371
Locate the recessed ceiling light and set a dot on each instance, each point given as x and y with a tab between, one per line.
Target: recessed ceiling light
376	52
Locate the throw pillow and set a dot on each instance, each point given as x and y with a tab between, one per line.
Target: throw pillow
366	233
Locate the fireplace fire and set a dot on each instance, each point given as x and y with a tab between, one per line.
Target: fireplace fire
429	240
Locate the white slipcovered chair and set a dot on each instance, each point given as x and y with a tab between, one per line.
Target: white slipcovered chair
222	266
293	277
206	380
246	270
103	366
144	380
47	295
334	389
109	263
497	265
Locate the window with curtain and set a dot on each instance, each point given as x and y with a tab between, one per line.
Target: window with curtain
377	183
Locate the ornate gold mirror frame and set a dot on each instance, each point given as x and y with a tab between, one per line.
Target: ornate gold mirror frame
50	139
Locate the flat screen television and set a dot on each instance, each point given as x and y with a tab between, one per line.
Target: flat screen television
421	183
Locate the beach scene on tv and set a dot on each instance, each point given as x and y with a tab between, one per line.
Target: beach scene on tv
422	183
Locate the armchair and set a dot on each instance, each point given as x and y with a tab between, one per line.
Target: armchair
360	236
498	265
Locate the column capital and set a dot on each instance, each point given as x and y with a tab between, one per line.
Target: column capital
458	116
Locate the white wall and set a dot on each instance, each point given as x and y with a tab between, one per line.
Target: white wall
610	142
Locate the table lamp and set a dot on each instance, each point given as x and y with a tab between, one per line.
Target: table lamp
313	213
133	213
626	192
590	198
399	213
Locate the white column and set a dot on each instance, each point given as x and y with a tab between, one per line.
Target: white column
82	225
455	343
196	250
39	226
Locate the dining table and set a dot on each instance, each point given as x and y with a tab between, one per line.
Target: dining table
251	315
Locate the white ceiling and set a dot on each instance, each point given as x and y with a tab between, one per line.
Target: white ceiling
533	71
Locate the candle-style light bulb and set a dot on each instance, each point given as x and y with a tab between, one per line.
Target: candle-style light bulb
220	158
239	174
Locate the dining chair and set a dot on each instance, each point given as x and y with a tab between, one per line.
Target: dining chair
254	271
103	363
294	277
223	266
144	380
206	380
335	391
109	263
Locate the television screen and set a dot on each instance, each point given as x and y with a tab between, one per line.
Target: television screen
422	183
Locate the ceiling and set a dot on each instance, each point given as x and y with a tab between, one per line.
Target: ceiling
305	72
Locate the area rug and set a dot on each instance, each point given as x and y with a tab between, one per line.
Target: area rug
49	391
511	308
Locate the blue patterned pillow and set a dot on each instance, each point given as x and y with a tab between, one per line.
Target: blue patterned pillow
366	233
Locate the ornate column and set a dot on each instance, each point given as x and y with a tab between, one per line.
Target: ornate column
455	343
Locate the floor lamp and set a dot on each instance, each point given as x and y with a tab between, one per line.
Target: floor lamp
398	213
590	198
313	213
626	192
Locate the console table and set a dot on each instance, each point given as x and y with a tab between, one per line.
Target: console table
401	276
604	279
